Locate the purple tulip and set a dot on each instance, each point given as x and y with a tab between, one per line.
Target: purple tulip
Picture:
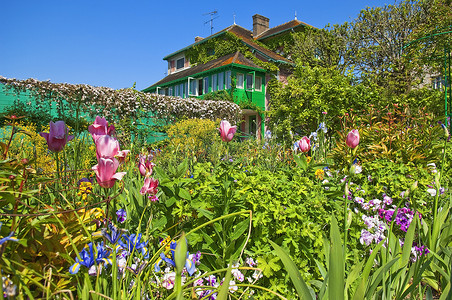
100	127
57	137
352	139
304	144
106	172
227	131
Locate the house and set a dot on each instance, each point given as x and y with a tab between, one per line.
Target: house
234	63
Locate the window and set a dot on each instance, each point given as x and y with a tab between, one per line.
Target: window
220	81
249	81
193	87
205	85
437	82
170	91
200	87
258	83
228	80
177	93
180	63
239	81
214	82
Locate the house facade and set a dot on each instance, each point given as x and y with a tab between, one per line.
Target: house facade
233	64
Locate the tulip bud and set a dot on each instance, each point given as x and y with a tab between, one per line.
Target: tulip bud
304	144
352	139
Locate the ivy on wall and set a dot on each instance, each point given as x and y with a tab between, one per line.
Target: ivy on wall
222	45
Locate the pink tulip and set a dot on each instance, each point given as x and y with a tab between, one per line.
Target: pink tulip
227	131
105	172
150	186
57	137
145	165
100	127
352	139
304	144
107	147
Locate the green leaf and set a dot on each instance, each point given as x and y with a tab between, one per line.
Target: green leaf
301	161
184	194
295	276
224	289
182	168
336	271
360	291
240	229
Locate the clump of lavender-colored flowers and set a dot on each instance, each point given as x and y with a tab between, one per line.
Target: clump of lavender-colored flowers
378	215
206	287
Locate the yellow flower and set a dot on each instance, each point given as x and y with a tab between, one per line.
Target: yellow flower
308	159
84	189
319	173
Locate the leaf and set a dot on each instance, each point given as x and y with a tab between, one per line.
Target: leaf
301	161
184	194
224	288
240	229
336	271
182	168
295	276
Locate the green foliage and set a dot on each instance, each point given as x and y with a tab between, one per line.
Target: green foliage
295	107
226	43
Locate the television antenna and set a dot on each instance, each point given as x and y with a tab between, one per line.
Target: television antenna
213	16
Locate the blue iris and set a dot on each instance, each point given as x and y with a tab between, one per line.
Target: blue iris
8	238
189	264
115	235
132	242
87	257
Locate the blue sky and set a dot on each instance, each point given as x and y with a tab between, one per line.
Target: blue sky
116	43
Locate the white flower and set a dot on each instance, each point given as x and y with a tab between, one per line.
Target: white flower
168	280
432	192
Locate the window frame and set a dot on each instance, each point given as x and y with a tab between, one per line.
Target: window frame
183	63
240	84
258	87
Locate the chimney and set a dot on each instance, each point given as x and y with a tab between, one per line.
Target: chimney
198	38
260	24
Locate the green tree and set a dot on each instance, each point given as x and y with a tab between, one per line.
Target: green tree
298	105
377	37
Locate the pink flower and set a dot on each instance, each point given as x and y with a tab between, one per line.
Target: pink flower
107	147
304	144
145	165
57	137
227	131
352	139
100	127
106	172
150	186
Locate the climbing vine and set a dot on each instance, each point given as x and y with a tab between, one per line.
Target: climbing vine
222	45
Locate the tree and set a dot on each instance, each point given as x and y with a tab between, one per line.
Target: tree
377	38
326	47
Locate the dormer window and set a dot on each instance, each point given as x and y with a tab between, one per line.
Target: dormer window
180	63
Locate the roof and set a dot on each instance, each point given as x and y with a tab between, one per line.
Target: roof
291	25
236	58
246	36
